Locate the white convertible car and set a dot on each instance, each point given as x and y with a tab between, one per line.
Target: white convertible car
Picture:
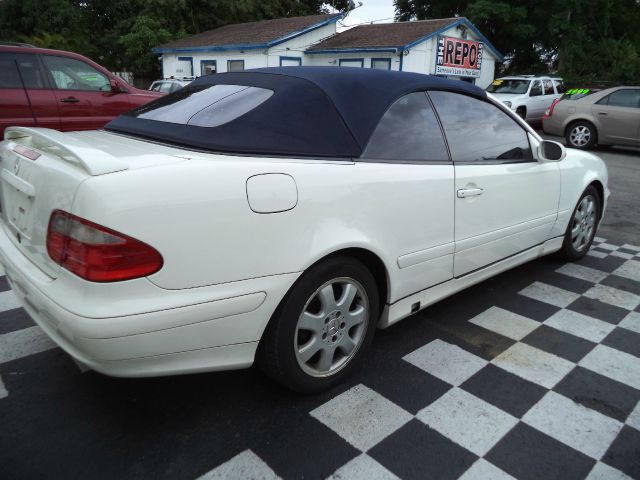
279	216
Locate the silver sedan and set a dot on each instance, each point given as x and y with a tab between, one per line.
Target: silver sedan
606	117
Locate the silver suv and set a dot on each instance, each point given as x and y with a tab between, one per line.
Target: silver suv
527	95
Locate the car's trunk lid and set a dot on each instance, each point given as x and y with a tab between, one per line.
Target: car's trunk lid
41	170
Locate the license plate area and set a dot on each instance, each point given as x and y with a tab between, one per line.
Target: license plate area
20	210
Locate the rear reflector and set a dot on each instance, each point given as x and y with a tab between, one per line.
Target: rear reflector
96	253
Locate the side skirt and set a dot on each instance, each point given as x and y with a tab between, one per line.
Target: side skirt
403	308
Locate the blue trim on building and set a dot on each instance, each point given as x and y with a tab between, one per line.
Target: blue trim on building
251	46
353	50
184	59
297	59
387	60
347	60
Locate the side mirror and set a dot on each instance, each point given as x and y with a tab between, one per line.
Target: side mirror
115	87
552	151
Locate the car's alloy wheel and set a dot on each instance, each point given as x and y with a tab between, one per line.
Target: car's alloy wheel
581	135
331	327
323	326
584	223
582	227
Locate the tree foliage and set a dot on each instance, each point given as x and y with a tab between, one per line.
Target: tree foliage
594	40
120	34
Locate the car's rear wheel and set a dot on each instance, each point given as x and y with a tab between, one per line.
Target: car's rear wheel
323	326
581	135
582	227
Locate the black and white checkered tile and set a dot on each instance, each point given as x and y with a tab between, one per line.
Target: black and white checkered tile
562	401
540	382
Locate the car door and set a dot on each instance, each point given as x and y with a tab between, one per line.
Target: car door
83	93
25	96
412	193
505	201
618	117
536	105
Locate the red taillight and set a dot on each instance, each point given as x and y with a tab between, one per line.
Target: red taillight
97	253
549	111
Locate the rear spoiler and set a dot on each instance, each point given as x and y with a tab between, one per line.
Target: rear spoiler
66	147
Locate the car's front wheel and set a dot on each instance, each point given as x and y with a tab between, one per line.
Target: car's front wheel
323	326
581	135
582	227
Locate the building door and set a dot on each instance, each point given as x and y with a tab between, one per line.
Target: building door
184	67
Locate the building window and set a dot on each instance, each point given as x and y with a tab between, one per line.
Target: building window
290	61
351	62
208	67
381	63
235	65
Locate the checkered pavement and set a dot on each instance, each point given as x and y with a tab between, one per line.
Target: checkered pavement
540	383
561	401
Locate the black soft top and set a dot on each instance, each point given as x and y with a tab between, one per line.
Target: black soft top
314	111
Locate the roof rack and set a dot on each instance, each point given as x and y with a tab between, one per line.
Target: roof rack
17	44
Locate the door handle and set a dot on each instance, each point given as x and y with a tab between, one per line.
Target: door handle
602	113
70	100
469	192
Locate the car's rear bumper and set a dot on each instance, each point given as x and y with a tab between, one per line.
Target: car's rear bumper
220	334
553	126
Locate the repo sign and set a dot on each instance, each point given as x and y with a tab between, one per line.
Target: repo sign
459	57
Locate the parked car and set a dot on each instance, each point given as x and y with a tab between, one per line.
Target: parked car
223	223
60	90
527	95
169	85
590	116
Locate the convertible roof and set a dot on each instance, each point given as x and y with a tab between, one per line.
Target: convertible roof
314	111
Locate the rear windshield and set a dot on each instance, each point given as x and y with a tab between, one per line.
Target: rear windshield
204	105
577	93
515	86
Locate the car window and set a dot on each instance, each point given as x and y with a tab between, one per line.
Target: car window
536	89
71	74
165	87
29	71
175	87
560	86
408	131
626	97
204	105
515	86
479	131
155	86
548	87
9	77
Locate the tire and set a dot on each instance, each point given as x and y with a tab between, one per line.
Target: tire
581	135
582	226
317	337
522	112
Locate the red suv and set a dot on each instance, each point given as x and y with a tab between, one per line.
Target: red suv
60	90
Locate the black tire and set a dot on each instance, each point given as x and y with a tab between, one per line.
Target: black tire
278	354
581	135
522	112
569	251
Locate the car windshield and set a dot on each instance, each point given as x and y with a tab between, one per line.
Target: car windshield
577	93
515	86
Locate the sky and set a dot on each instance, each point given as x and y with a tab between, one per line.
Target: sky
371	10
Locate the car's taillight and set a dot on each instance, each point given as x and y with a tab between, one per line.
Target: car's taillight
97	253
549	111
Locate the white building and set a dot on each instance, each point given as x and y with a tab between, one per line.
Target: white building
451	47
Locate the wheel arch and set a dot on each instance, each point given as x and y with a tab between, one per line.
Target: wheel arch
600	189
